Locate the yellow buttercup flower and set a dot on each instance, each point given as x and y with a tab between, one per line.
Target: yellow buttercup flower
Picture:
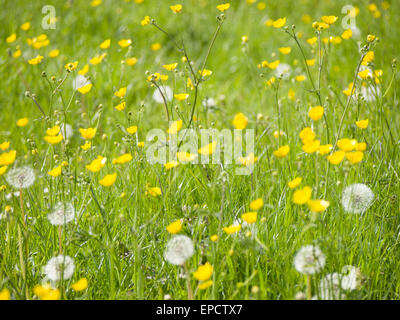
22	122
362	124
71	66
125	158
329	19
274	64
176	8
97	59
346	144
8	158
232	229
295	182
206	284
3	170
354	157
318	205
223	7
121	106
80	285
301	196
249	160
145	21
170	66
361	146
203	272
311	147
300	78
312	40
132	129
5	145
336	157
131	61
279	23
282	152
214	238
208	149
54	53
54	139
175	227
88	133
316	113
153	191
55	172
186	156
124	43
347	34
256	204
95	3
108	180
120	93
84	70
105	44
171	164
26	26
175	127
325	149
205	73
240	121
11	38
5	294
250	217
86	88
97	164
285	50
181	96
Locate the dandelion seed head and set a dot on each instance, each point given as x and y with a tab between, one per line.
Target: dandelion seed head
352	278
179	249
63	213
309	260
329	287
59	267
167	92
21	178
357	198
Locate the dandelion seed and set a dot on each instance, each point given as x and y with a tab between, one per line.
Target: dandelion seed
60	267
352	278
309	260
357	198
179	249
62	214
21	178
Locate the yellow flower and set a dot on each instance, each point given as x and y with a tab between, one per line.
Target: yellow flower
312	40
86	88
361	146
155	46
84	70
11	38
249	160
316	113
140	144
181	96
153	191
175	227
346	144
145	21
170	66
5	294
301	196
176	8
311	147
250	217
80	285
285	50
310	62
124	43
46	293
189	84
206	284
54	139
175	127
55	172
329	19
3	170
300	78
22	122
125	158
203	272
131	61
365	74
132	129
95	3
88	133
336	157
355	156
7	158
214	238
208	149
54	53
282	151
87	145
105	44
17	53
318	205
256	204
121	106
273	65
223	7
186	156
350	88
205	73
324	149
71	66
97	164
279	23
347	34
232	228
5	145
120	93
171	164
25	26
240	121
295	182
108	180
362	124
97	59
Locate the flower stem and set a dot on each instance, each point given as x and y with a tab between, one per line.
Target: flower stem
189	288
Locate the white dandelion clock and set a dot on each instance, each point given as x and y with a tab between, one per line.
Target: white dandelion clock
21	178
209	103
357	198
166	91
283	70
309	260
66	131
370	93
178	250
352	278
63	213
60	267
330	287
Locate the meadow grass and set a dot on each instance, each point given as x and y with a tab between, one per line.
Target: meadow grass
117	243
